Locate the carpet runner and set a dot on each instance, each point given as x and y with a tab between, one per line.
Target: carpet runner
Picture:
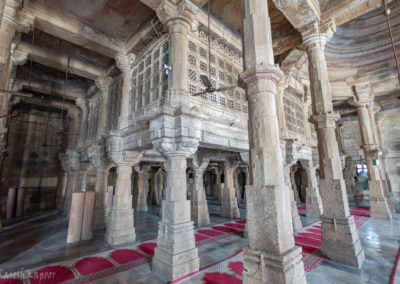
395	279
104	264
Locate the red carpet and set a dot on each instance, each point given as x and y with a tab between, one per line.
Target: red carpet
308	242
240	221
237	267
210	233
89	265
311	235
200	238
10	281
122	256
220	278
301	209
148	248
224	229
52	275
235	226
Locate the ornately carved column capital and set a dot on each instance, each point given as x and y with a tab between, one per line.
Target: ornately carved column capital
363	95
103	84
283	84
125	62
125	158
317	34
177	13
256	80
326	120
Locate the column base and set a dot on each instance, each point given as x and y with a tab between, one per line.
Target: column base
340	240
262	267
199	212
141	205
313	207
176	254
229	207
120	227
295	216
379	208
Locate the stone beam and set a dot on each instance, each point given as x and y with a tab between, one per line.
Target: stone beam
133	41
57	60
299	13
348	10
57	23
50	89
49	103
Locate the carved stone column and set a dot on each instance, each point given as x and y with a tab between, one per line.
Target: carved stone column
378	204
124	63
82	104
103	84
82	176
280	107
313	198
217	186
176	254
372	110
73	136
199	206
102	167
340	240
63	180
271	255
120	226
348	174
74	167
287	152
143	187
229	204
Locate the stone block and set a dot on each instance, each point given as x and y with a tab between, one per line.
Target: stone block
11	200
88	214
20	202
76	217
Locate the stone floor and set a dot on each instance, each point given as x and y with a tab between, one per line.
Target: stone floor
42	241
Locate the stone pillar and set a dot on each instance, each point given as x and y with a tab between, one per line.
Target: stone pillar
340	240
124	63
280	107
229	204
313	198
293	204
69	189
372	110
103	84
293	185
81	177
20	202
199	206
101	187
143	187
271	256
348	174
73	136
378	204
236	174
82	104
217	186
176	254
11	202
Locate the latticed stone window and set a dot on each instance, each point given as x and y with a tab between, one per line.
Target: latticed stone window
212	58
192	60
203	52
141	66
221	76
230	81
237	95
156	65
222	100
157	54
148	60
229	67
192	46
192	88
230	103
204	96
238	107
245	109
213	97
203	66
147	74
192	75
213	71
221	63
213	83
